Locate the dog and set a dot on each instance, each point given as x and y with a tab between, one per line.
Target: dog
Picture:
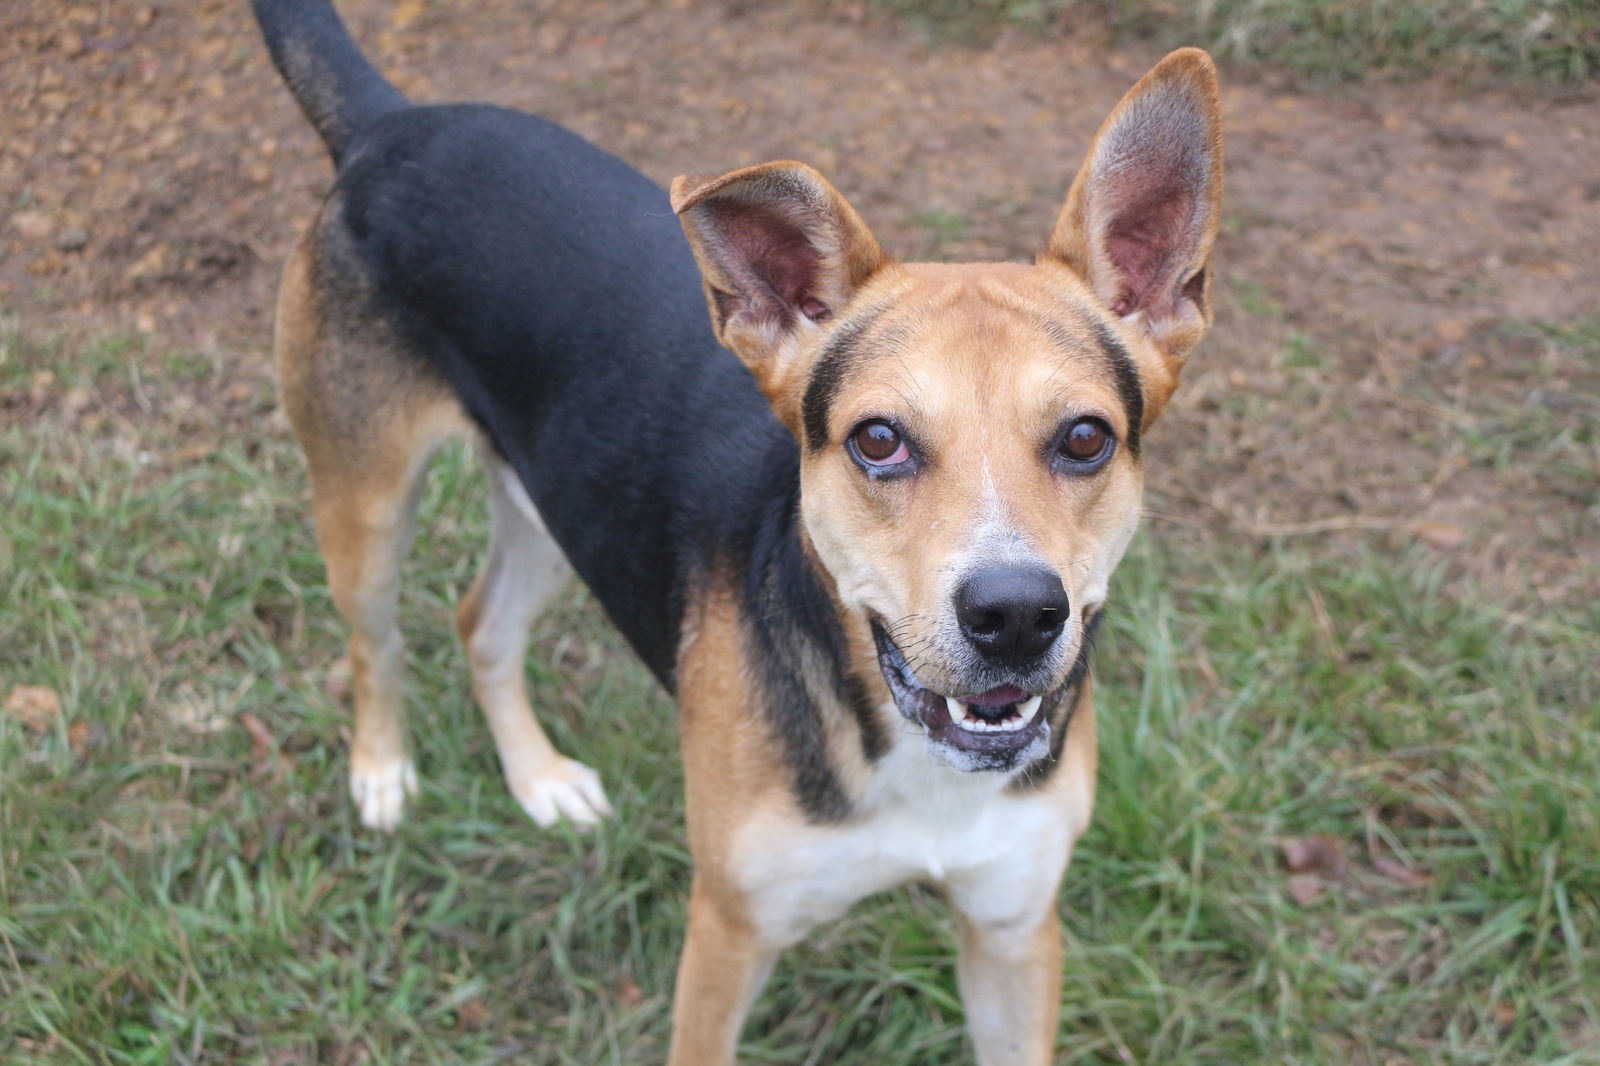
859	519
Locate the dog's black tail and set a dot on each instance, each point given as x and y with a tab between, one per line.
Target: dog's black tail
336	87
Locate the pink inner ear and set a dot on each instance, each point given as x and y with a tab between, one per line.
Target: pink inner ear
770	260
1146	240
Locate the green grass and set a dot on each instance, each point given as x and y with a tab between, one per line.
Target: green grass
1547	40
167	895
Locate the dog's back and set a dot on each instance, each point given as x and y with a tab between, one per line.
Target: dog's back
481	272
510	261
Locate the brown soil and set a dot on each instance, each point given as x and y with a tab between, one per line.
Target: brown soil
1387	249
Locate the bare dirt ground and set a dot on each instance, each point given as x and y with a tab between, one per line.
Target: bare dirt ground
1393	258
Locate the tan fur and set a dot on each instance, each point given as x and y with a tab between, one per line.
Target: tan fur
729	768
984	363
730	771
369	419
976	376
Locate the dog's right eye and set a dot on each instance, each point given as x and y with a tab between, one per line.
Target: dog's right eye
878	444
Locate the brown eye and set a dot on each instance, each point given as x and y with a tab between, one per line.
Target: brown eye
879	444
1087	441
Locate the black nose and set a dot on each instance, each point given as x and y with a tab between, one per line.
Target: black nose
1010	615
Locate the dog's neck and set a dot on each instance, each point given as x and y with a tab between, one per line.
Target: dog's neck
819	701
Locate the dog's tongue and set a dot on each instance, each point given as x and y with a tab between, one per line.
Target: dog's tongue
998	697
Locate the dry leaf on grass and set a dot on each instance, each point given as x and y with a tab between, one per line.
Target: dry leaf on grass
1452	330
265	758
1438	534
82	737
34	706
471	1016
194	712
1396	870
1314	863
1304	889
628	992
1321	855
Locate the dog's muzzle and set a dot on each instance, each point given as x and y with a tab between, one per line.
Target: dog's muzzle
1001	729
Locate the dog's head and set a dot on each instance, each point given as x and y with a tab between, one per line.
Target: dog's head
970	433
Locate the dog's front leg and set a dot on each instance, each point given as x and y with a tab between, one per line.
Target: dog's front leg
1010	976
722	970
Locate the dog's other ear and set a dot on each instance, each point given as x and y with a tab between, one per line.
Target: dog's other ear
781	253
1142	213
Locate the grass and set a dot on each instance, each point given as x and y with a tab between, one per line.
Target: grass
1322	40
173	892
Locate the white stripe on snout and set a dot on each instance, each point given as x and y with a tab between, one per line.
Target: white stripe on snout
994	540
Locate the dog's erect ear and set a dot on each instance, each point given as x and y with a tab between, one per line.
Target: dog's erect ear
1142	213
781	253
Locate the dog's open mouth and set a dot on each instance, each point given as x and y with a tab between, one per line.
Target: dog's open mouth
1001	728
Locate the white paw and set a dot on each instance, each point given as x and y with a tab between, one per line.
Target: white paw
380	792
564	789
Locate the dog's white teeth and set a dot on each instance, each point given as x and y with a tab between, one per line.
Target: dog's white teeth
963	716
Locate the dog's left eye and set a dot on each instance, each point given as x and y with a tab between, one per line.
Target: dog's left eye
1085	445
878	444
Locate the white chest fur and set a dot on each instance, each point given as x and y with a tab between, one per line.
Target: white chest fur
998	855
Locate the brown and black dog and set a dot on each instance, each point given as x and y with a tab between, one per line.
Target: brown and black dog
866	555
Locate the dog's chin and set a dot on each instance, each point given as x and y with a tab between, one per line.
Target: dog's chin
998	731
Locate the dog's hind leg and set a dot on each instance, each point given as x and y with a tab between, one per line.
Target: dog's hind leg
525	568
368	417
364	533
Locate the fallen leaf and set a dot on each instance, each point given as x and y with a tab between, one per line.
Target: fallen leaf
35	706
264	754
629	993
81	738
1321	855
194	712
1304	889
48	1046
1396	870
1439	534
471	1016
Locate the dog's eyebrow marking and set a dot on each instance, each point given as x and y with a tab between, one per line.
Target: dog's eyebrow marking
827	375
1118	359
